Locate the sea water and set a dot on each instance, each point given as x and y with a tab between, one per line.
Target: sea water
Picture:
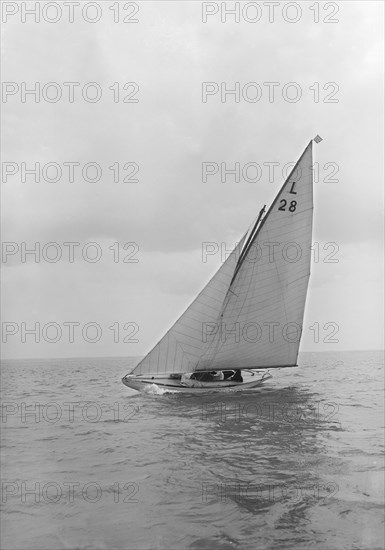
89	463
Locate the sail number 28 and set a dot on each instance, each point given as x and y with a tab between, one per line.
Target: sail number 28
292	205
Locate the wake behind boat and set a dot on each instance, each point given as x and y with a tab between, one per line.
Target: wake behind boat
249	316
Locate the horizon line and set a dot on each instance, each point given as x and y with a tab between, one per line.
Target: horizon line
140	356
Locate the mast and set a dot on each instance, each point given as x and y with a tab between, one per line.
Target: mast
248	293
248	243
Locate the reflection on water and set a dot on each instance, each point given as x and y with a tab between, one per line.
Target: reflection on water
260	448
295	464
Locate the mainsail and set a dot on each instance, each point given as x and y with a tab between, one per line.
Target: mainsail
250	314
260	324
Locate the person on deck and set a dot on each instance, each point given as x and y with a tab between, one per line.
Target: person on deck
237	376
213	376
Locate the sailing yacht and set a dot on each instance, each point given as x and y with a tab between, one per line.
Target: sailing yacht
249	316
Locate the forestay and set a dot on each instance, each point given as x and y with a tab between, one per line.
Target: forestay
250	314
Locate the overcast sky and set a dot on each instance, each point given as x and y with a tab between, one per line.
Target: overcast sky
169	133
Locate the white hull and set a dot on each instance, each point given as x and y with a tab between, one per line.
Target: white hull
143	382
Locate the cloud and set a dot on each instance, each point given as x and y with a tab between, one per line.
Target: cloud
170	211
